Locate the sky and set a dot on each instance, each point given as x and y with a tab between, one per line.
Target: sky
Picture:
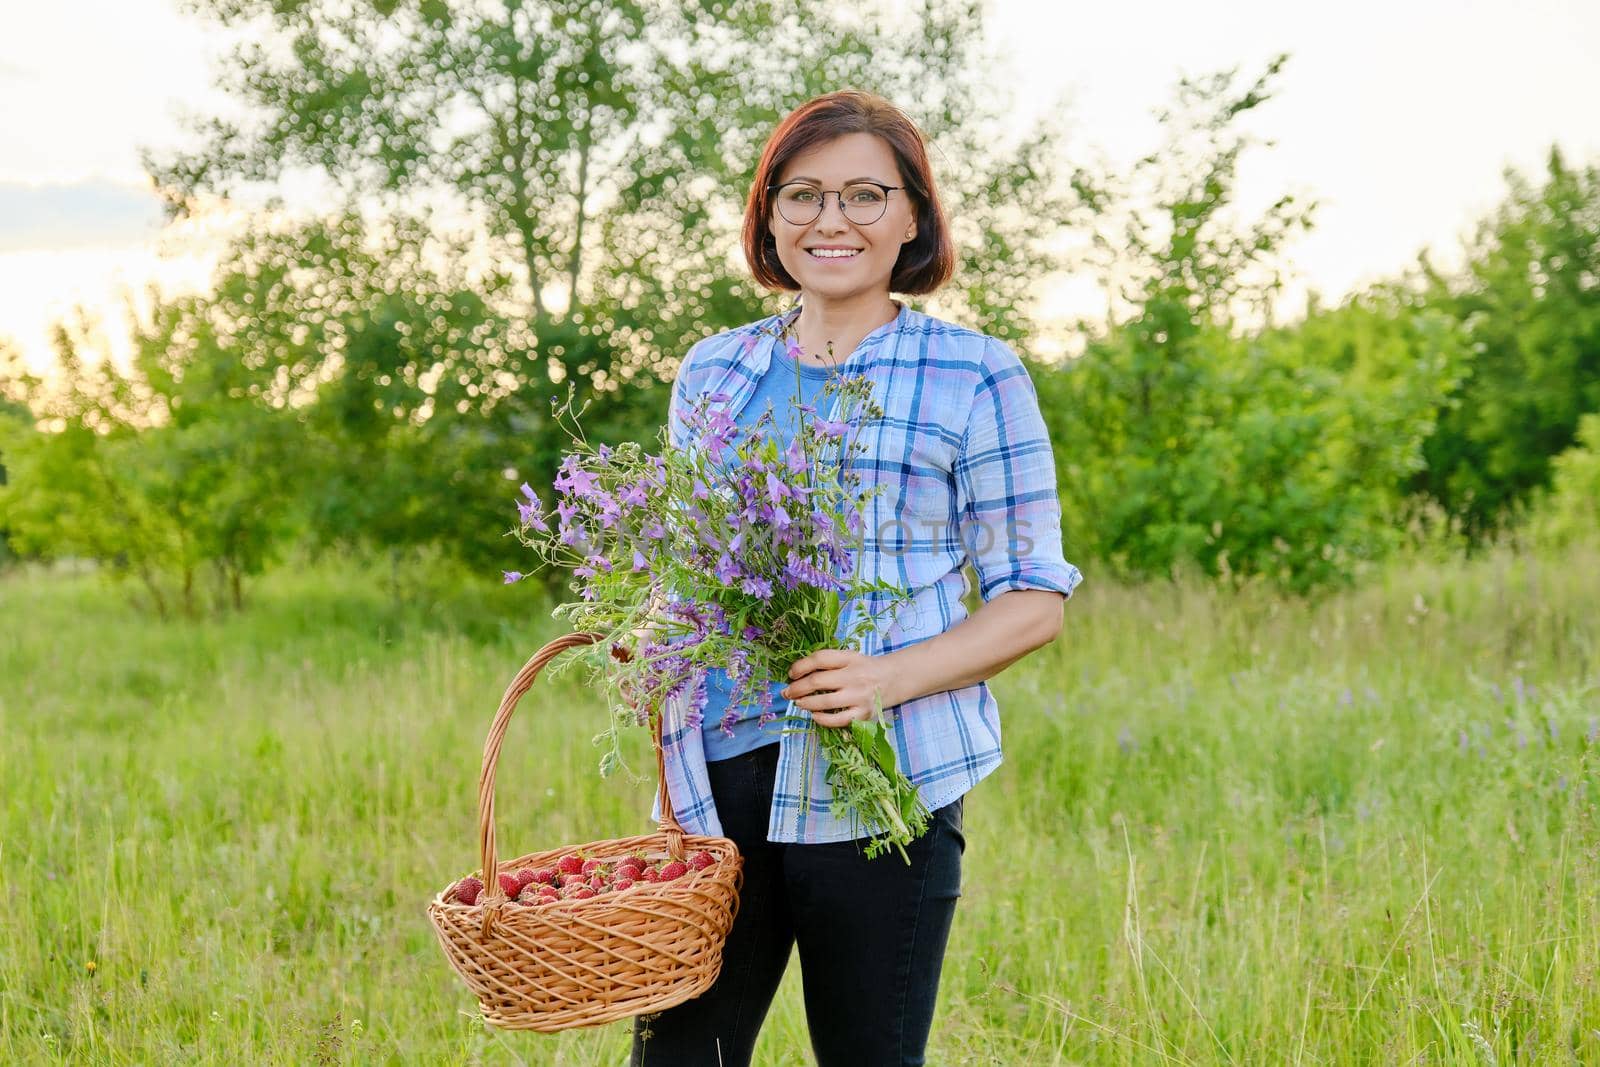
1399	117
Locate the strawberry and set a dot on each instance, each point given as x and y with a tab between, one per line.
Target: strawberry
623	883
631	864
526	875
510	885
701	860
674	870
583	892
467	890
598	883
590	866
571	865
652	875
545	875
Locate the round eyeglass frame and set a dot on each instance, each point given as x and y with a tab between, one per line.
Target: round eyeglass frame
838	194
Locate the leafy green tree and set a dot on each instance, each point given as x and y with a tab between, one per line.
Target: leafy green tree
169	472
1528	298
15	418
1570	510
1185	440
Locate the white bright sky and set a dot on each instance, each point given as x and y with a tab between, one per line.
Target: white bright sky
1399	116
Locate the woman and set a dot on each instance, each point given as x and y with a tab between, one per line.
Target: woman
843	210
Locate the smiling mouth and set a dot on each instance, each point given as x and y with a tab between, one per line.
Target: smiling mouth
833	255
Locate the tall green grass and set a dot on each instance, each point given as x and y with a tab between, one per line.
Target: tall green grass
1231	828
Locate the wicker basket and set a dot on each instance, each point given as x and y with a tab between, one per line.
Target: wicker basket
573	963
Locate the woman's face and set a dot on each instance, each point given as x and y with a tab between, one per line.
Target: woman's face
830	168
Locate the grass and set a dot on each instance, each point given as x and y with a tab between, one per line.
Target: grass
1231	828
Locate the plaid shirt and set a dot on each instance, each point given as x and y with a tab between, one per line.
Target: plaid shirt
968	474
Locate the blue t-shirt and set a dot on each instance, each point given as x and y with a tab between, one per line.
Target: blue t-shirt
777	388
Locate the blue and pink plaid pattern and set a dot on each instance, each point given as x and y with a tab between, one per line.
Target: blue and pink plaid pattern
967	473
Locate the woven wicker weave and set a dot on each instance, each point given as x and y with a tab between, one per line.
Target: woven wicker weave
574	963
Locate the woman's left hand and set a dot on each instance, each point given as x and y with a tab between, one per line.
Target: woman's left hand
838	685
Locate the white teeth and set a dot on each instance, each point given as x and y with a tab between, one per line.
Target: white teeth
833	253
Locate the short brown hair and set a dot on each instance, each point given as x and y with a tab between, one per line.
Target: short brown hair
925	262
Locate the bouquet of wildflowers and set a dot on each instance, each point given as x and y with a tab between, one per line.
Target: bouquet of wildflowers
735	553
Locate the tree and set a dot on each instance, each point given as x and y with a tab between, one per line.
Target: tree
1528	298
170	472
1185	439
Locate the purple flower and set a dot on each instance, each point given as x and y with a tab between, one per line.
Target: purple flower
573	480
757	587
699	492
634	495
609	511
529	514
514	576
795	457
777	492
831	429
697	703
727	571
639	562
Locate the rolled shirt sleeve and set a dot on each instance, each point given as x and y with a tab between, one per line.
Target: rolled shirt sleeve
1005	474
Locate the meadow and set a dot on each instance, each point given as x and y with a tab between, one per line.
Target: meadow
1232	828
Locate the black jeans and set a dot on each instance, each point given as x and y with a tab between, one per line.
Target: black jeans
871	933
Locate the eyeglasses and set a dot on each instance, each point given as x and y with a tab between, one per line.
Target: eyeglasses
863	203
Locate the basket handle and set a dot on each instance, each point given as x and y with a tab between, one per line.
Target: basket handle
497	732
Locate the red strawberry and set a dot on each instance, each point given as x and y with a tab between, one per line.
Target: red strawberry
571	865
546	875
630	864
590	866
526	875
467	890
652	875
701	860
673	870
510	885
623	883
583	892
598	883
